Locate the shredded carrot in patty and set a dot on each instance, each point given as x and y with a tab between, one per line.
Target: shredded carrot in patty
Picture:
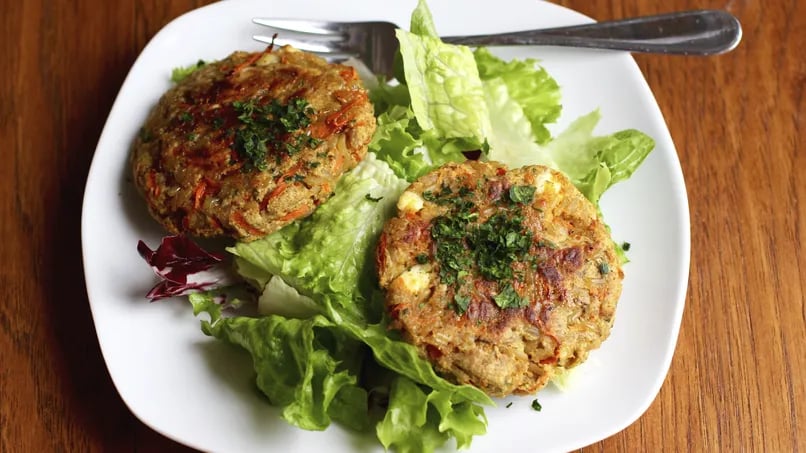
296	213
238	219
251	60
273	194
337	164
282	185
341	117
198	194
151	183
348	74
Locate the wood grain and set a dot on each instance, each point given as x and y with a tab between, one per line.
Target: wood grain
738	378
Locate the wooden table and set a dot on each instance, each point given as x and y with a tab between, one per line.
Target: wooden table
738	379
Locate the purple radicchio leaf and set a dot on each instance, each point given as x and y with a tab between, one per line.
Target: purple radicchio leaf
184	267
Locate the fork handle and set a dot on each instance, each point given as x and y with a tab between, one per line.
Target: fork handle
698	32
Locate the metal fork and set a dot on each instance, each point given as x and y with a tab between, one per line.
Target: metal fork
698	32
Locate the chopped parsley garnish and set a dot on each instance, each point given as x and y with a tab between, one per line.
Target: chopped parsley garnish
604	268
546	243
461	303
422	258
371	198
625	246
452	254
490	249
522	194
185	117
146	135
508	298
295	178
498	243
272	126
509	405
218	123
536	405
447	198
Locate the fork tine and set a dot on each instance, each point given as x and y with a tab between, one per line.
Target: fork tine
312	27
308	45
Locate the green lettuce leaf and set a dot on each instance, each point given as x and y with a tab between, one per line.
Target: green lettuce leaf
385	97
280	298
593	163
403	358
417	421
178	74
397	142
307	367
330	252
511	140
325	256
445	88
422	23
530	86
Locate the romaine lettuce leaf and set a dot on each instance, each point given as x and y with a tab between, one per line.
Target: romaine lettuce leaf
307	367
445	88
329	252
593	163
280	298
422	23
385	97
420	422
325	256
397	142
529	85
404	359
178	74
511	140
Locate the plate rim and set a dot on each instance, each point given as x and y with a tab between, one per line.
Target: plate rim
684	229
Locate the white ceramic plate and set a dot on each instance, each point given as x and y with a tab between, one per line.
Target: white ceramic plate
200	392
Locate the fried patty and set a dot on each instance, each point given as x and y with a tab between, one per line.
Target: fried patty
245	145
501	278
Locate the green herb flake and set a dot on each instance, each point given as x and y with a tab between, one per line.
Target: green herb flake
294	178
509	405
499	243
625	246
218	123
429	196
522	194
271	126
536	405
488	249
421	258
546	243
192	137
509	298
371	198
146	135
460	303
604	268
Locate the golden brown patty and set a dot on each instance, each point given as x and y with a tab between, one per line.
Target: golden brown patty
500	278
245	145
